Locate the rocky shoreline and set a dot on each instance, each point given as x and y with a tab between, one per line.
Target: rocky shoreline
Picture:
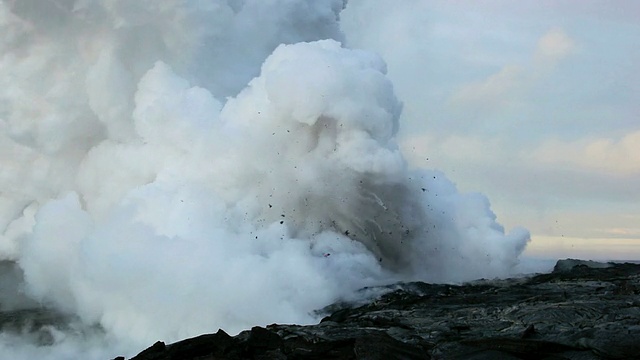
582	310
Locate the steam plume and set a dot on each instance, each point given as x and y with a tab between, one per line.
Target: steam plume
173	167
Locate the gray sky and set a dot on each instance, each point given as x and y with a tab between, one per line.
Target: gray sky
534	103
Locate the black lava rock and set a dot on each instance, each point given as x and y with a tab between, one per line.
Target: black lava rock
582	310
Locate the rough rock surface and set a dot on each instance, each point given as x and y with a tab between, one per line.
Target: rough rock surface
582	310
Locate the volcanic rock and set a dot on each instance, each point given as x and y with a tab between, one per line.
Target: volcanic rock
582	310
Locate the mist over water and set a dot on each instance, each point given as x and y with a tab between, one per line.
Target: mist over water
171	167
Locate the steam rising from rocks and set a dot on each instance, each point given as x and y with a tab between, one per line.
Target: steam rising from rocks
173	167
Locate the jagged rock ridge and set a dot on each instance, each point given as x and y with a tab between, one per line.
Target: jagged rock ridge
582	310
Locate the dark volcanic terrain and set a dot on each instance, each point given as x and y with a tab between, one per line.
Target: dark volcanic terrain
582	310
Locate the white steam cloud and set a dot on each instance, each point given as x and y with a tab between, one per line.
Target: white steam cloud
173	167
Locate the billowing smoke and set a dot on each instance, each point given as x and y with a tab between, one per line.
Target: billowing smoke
171	167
